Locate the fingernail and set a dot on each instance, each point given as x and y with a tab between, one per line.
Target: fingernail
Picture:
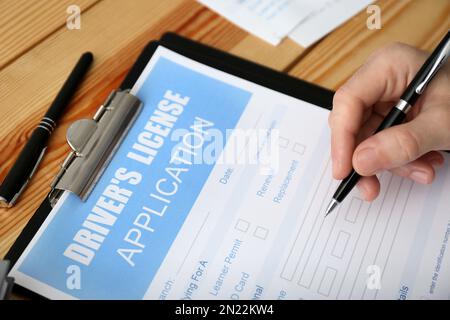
336	167
362	191
366	160
419	176
437	162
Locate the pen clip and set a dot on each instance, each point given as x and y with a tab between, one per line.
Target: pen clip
440	60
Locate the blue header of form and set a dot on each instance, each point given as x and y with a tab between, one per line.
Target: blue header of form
117	239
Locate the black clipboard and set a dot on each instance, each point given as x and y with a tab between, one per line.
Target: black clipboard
209	56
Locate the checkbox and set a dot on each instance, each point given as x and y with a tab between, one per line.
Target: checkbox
261	233
242	225
299	148
283	142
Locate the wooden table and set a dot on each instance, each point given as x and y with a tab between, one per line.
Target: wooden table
37	52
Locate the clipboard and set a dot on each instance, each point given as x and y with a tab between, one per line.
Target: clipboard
206	55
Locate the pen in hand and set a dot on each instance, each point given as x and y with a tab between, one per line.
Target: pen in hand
33	151
397	114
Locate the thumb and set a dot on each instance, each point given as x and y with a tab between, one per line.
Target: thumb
401	144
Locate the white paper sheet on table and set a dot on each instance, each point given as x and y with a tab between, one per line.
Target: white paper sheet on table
303	21
271	20
331	15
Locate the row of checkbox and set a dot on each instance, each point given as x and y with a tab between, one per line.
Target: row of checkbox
243	226
297	147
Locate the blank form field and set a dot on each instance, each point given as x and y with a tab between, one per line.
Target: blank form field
299	148
341	244
242	225
327	281
283	142
353	210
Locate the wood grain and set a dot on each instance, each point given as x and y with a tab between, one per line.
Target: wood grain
24	23
420	23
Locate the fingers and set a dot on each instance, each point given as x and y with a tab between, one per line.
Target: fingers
421	170
345	122
369	187
399	145
361	104
382	78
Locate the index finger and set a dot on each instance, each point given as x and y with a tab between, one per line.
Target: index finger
383	78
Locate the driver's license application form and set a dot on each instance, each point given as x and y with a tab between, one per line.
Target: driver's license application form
156	228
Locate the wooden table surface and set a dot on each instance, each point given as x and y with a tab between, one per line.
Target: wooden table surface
37	52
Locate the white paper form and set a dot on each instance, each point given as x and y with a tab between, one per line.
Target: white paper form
265	237
329	16
237	233
271	20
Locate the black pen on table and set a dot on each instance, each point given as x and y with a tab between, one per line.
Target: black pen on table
29	158
397	114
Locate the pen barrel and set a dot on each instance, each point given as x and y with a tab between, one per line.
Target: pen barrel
346	186
394	117
25	165
411	95
69	87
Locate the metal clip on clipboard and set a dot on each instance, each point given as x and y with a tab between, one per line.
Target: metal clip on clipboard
6	283
94	142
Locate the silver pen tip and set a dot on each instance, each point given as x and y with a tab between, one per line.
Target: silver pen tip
333	204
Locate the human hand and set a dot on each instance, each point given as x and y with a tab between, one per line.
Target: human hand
359	106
